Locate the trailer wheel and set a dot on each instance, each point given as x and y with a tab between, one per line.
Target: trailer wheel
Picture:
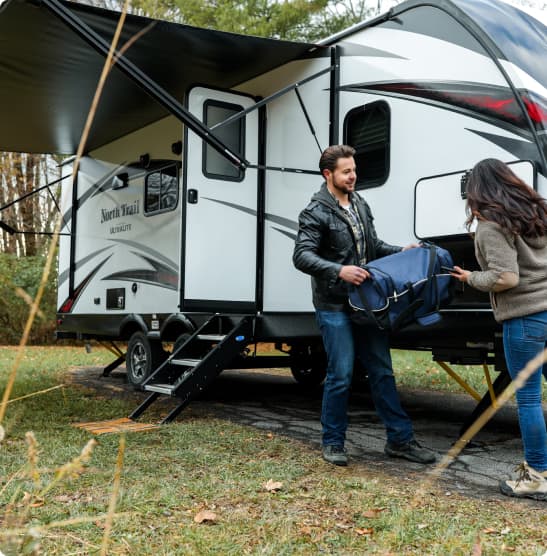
308	365
196	350
142	357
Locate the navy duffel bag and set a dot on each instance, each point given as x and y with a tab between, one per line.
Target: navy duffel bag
409	286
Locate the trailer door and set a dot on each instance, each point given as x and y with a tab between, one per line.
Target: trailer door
220	244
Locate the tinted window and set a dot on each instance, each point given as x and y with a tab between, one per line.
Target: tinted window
366	129
232	135
161	190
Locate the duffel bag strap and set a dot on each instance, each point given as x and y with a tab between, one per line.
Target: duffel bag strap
403	315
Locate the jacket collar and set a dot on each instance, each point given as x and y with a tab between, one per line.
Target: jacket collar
327	198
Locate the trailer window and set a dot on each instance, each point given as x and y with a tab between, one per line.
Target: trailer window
367	130
232	135
161	190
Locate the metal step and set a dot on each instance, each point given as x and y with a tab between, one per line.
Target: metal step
186	362
196	374
160	388
211	337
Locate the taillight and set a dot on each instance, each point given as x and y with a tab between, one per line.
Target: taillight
537	113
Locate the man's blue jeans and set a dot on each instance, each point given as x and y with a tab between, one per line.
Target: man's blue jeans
523	339
343	341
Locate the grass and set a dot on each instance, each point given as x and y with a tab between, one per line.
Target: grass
198	463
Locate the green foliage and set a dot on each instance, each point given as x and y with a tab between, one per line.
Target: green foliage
19	281
290	19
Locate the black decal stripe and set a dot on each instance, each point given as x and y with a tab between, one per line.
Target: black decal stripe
142	276
283	221
522	150
271	217
63	276
438	95
353	49
95	189
81	287
145	249
160	275
285	233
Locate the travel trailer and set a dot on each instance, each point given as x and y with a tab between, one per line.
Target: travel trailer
178	223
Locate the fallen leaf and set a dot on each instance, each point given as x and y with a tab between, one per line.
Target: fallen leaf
31	501
490	531
273	486
477	549
375	512
343	526
364	531
205	516
305	530
505	531
506	548
423	525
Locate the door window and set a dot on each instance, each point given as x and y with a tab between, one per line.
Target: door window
232	135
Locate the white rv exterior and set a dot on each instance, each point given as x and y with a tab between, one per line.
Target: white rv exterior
163	231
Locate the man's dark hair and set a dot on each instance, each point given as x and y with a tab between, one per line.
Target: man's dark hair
331	154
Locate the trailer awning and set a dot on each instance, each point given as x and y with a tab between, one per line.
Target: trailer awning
48	74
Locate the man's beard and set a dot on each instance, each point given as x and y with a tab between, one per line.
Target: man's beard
343	187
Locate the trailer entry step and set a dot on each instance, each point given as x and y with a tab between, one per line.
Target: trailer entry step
186	362
212	337
166	389
219	341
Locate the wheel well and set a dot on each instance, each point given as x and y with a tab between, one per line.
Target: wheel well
174	329
129	329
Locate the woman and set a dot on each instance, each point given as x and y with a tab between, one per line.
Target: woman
511	248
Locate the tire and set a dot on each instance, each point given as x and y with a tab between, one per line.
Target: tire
308	365
197	351
142	358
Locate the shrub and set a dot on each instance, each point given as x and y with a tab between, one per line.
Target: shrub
19	281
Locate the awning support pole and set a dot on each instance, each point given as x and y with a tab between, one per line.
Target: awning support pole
147	84
271	97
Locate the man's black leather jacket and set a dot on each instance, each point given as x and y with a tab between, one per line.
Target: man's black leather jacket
325	243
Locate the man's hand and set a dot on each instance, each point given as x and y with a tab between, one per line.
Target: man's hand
460	274
411	246
353	274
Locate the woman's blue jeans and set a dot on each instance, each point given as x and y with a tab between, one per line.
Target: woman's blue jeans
523	339
343	341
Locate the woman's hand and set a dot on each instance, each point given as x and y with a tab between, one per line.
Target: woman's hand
460	274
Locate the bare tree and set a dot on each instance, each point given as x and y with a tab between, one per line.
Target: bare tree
20	175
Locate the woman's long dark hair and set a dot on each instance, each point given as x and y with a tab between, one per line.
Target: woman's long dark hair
496	194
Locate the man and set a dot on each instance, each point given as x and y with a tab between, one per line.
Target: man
336	236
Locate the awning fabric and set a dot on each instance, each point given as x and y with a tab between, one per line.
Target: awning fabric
48	74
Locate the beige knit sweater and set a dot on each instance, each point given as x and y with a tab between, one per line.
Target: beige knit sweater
514	271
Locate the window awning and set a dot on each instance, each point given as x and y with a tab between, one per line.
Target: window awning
48	74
